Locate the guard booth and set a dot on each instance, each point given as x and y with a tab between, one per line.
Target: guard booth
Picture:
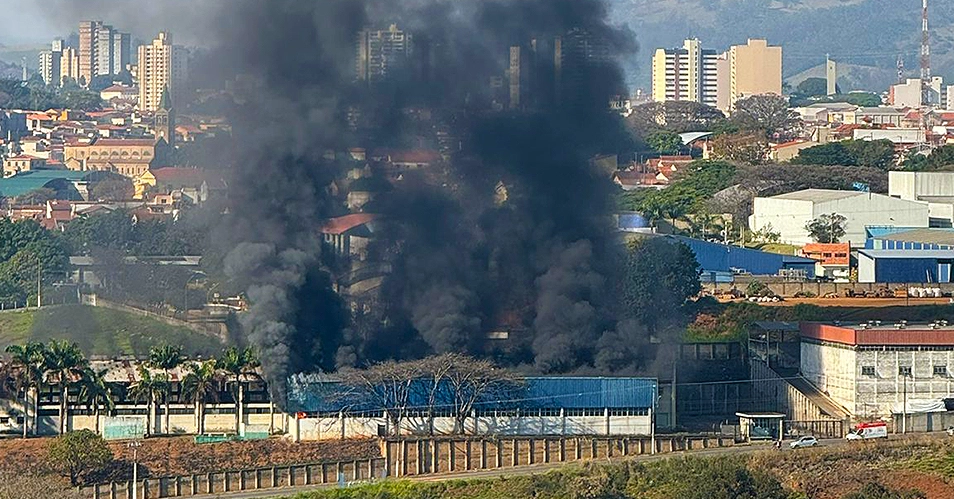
761	425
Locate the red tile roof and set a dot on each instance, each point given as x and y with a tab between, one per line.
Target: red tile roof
343	224
179	175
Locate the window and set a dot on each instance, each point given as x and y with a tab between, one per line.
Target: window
904	371
940	371
868	371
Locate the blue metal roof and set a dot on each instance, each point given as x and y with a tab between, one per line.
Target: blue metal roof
715	257
920	254
317	394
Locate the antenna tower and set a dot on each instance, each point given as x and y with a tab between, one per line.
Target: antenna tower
925	55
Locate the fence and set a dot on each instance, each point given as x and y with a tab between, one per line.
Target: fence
408	457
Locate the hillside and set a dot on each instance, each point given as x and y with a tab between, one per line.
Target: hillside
858	32
100	331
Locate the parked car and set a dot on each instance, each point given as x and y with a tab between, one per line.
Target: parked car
950	430
804	442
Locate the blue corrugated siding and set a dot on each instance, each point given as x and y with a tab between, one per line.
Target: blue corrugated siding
714	257
889	244
315	396
905	270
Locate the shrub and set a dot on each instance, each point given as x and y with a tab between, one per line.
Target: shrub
78	453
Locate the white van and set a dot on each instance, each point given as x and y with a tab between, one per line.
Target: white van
868	431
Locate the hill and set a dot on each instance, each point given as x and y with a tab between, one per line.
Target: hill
858	32
100	331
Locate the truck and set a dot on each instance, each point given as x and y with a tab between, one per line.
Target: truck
868	431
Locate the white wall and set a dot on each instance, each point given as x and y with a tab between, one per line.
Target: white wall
876	395
873	209
786	216
913	185
866	268
832	370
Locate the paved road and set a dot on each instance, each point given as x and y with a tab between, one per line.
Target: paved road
519	470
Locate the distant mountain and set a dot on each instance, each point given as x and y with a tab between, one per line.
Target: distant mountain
855	32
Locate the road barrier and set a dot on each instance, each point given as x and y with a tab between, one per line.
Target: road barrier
408	457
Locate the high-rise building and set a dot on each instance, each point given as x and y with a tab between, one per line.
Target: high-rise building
579	58
381	53
756	70
50	63
690	73
103	50
162	65
69	64
519	76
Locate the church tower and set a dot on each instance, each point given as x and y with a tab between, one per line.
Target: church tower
165	123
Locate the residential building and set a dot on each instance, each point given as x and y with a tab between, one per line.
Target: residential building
578	54
788	151
129	157
788	214
349	235
834	260
756	69
911	93
69	64
872	369
162	66
690	73
16	164
874	116
51	62
103	50
381	53
119	92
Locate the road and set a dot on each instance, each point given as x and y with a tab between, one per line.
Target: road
519	470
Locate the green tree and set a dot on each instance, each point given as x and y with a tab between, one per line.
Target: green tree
38	196
767	114
665	142
239	366
747	148
65	365
830	154
872	153
812	87
167	358
941	158
148	388
97	393
676	117
29	360
863	99
828	228
199	387
660	274
77	454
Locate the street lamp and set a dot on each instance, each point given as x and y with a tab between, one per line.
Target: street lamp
135	445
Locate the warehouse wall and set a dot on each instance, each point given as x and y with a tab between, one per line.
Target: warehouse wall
873	209
786	216
832	370
877	394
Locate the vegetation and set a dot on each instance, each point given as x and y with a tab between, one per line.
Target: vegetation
30	486
875	490
750	148
26	251
688	194
200	386
167	358
828	228
36	95
940	159
238	366
874	153
660	275
79	453
767	114
665	142
120	232
100	331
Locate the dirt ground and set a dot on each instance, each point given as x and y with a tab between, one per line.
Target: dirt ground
180	456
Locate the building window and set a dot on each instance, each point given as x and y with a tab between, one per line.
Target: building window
868	371
904	371
940	371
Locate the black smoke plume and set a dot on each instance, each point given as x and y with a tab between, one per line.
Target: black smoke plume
512	229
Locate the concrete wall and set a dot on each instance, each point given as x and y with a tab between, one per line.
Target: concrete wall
333	428
866	269
832	370
770	392
912	185
184	423
876	395
789	289
930	422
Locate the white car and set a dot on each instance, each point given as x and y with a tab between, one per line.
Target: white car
950	430
804	442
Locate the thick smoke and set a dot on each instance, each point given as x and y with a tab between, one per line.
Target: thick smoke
513	230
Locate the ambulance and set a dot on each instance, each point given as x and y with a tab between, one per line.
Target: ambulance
868	431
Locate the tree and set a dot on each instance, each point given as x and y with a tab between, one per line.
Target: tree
199	386
148	388
659	274
112	188
863	99
471	381
65	364
166	358
748	148
767	114
830	154
676	117
829	228
387	385
79	453
941	158
97	393
239	364
872	153
665	142
38	196
29	360
812	87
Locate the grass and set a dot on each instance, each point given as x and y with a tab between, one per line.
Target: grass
100	331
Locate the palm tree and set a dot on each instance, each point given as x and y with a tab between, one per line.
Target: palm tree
96	392
29	360
65	363
167	358
199	386
238	364
148	388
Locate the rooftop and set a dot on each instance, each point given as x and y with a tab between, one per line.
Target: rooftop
25	182
340	225
873	253
818	195
926	236
879	333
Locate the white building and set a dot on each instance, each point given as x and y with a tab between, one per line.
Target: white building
934	188
161	65
690	73
909	93
789	213
872	369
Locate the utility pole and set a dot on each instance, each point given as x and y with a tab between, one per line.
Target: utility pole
39	282
134	445
673	395
904	409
